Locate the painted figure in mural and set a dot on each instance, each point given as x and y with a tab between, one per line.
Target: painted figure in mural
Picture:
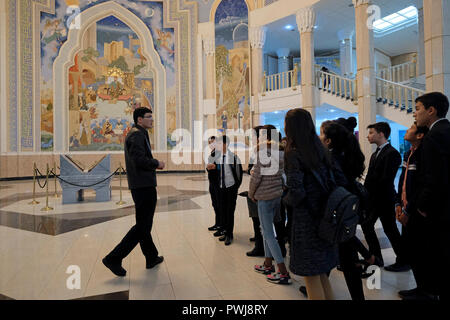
84	140
74	142
224	118
53	31
82	102
163	42
97	132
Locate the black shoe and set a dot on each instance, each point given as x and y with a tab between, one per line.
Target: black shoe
218	233
379	262
223	237
228	240
214	228
153	263
255	253
115	267
398	267
420	295
405	293
252	239
302	289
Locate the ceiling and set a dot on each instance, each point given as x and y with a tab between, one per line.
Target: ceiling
335	16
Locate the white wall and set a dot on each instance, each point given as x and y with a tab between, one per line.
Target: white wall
381	58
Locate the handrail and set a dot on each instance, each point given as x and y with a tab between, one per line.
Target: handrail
336	85
399	73
396	94
283	80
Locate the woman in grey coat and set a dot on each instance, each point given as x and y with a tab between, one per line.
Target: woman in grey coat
310	256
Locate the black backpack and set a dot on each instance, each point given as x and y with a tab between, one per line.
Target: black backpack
340	218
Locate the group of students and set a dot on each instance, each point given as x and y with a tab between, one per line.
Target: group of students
292	189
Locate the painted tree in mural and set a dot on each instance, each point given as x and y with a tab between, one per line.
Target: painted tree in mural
120	63
89	54
223	71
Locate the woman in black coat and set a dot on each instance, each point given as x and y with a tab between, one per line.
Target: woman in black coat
310	256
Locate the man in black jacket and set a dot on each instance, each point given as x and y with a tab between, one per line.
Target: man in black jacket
379	183
432	200
214	187
141	176
228	172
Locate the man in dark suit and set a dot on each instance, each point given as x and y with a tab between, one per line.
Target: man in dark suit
432	200
228	169
379	183
214	186
141	174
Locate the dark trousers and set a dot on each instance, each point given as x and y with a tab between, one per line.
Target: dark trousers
422	249
387	217
259	244
214	193
360	248
145	203
227	204
348	254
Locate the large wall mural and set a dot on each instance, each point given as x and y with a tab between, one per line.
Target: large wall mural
232	65
109	77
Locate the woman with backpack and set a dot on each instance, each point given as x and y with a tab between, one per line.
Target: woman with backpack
310	256
346	155
266	188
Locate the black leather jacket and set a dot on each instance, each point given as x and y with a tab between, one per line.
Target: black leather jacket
140	164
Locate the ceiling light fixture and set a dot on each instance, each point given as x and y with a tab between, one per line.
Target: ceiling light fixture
288	27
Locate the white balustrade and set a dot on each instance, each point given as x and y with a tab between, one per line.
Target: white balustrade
278	81
399	73
397	95
336	85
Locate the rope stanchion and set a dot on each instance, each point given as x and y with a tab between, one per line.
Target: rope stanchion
54	175
120	202
40	174
34	185
47	208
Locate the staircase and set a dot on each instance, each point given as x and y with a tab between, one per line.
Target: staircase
395	101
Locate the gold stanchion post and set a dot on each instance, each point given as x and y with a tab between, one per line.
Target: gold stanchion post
54	174
120	202
47	208
34	185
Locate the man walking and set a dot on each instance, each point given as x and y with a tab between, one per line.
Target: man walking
379	182
141	175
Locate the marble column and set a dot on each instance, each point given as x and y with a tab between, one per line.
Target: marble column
283	59
420	70
306	17
437	45
346	54
365	77
257	37
210	94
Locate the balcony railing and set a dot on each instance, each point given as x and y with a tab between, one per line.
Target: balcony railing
336	85
397	95
399	73
283	80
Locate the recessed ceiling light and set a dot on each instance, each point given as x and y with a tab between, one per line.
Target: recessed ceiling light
332	110
288	27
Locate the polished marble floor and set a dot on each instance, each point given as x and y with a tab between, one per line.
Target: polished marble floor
37	248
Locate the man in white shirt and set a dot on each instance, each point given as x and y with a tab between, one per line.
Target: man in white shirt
229	175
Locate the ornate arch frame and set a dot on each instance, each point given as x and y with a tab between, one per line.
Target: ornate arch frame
66	57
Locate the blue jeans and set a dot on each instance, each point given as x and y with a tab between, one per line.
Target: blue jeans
266	213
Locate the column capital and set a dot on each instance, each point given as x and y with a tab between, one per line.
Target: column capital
357	3
209	45
257	36
306	18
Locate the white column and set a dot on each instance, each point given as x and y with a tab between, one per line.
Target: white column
365	57
210	94
306	17
346	53
421	45
3	80
257	36
283	59
437	45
